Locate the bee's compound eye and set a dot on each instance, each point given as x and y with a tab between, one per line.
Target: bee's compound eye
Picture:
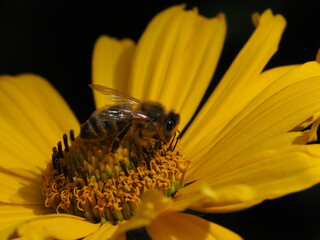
170	124
172	121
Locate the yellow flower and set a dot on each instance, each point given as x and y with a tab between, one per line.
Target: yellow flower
247	144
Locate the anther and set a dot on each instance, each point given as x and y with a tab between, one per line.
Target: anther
57	159
124	167
84	176
54	150
71	134
115	146
65	142
64	170
54	163
60	149
134	159
68	172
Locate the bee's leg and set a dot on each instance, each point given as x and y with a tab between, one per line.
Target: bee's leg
171	146
171	142
146	142
158	144
149	147
119	138
174	147
147	156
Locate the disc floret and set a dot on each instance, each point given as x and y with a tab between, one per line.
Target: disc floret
87	180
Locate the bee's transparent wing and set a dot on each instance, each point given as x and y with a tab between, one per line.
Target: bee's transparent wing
119	112
115	95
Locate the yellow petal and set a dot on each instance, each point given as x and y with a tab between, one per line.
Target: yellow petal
19	154
155	207
19	190
33	118
58	226
11	215
106	231
307	122
266	85
274	142
276	115
145	54
195	137
264	175
18	163
282	140
201	197
185	226
197	71
204	194
176	58
7	231
110	65
233	91
153	204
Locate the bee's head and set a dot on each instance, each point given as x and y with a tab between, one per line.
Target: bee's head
161	125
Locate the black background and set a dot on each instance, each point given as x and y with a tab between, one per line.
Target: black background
54	39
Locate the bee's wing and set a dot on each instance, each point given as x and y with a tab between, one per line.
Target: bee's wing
140	116
119	113
114	95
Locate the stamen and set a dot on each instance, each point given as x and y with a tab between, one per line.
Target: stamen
71	134
56	157
69	172
134	159
60	150
54	161
124	167
64	169
65	142
83	175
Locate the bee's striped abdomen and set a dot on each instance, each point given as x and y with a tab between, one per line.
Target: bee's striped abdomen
105	123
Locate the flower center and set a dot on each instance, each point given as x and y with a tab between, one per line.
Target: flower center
87	179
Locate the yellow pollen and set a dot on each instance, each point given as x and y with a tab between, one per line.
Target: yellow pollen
87	180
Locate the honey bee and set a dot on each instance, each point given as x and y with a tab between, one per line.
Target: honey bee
146	120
